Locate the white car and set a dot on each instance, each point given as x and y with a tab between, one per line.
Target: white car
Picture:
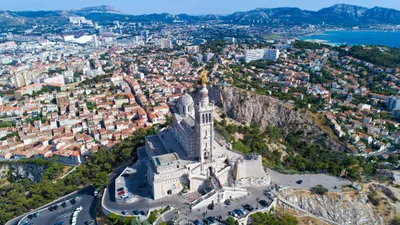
124	196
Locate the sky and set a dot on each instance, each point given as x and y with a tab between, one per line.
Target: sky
194	7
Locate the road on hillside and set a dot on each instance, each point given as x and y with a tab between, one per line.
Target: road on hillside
84	197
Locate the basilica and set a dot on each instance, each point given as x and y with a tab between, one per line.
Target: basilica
191	156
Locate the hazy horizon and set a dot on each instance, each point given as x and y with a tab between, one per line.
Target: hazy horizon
194	7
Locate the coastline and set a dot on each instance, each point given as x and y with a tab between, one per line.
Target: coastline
338	37
320	32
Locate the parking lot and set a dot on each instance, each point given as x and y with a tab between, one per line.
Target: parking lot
61	212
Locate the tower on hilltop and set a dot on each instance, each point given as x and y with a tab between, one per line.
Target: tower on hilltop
204	123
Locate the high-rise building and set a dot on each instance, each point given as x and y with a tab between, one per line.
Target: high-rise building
144	34
95	41
393	103
262	53
165	43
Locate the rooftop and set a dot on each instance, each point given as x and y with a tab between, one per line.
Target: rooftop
166	159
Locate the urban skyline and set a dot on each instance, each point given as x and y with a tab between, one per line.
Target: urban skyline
195	7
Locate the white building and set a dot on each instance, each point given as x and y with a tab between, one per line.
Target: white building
262	53
78	20
165	43
95	41
192	49
191	155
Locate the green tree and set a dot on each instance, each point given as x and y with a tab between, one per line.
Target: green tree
152	217
136	221
146	222
319	189
127	220
231	221
113	219
287	219
100	181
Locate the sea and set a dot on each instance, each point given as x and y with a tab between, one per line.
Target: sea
385	38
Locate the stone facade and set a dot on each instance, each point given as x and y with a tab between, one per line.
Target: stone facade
189	156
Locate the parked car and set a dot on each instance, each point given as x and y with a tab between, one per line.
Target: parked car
125	196
73	201
206	222
142	213
299	181
240	213
55	207
263	203
136	212
64	204
248	207
233	213
212	219
197	222
124	212
120	189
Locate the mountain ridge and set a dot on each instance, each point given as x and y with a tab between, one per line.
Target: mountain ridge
338	14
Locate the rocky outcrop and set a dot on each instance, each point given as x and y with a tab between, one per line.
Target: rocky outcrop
343	209
250	108
30	171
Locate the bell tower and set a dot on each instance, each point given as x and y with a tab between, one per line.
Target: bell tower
204	123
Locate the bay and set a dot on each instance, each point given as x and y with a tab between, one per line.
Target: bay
385	38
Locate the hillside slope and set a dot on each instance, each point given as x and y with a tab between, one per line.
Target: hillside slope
250	108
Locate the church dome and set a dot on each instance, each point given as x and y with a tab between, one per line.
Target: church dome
185	100
185	104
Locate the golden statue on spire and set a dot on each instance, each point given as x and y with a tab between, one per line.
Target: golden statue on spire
204	77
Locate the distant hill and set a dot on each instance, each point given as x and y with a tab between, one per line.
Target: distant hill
339	14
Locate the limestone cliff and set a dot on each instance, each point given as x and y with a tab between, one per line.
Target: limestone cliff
248	107
346	209
30	171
